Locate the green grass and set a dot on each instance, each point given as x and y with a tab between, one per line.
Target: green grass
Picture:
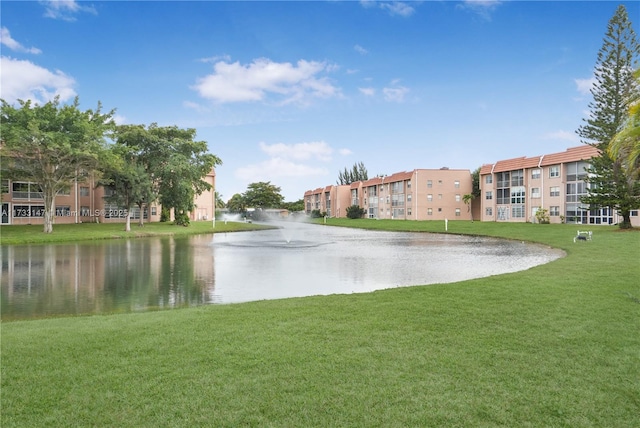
32	234
556	345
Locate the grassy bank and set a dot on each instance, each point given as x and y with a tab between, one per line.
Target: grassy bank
556	345
32	234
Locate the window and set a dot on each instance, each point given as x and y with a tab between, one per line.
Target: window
488	179
397	187
85	211
555	191
409	197
517	178
517	195
429	183
439	195
397	200
554	171
504	179
4	184
439	182
517	211
535	192
535	174
63	211
154	210
456	184
25	211
64	192
439	210
488	195
429	197
26	190
488	211
84	191
503	196
457	198
408	185
457	212
576	171
429	211
554	211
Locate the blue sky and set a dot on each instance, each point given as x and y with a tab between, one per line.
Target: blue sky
293	92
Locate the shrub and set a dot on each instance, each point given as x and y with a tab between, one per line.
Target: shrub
355	211
542	216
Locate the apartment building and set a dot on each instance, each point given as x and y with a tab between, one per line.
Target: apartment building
421	194
332	200
513	190
84	201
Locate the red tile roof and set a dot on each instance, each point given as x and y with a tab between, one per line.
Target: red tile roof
572	154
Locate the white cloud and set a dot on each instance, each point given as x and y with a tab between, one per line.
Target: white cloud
395	94
291	83
345	152
398	8
481	7
318	150
563	136
27	81
195	106
360	50
367	91
65	9
119	119
584	85
8	41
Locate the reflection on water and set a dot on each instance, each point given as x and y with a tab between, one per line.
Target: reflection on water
301	260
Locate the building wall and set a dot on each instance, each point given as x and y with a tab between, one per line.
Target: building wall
421	194
22	203
513	190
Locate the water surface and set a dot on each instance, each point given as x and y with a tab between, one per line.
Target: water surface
299	260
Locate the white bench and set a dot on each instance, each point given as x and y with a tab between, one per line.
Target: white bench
583	235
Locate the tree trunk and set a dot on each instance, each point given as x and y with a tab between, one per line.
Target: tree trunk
626	220
49	211
141	220
127	223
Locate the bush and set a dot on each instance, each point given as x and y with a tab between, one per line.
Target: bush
542	216
355	211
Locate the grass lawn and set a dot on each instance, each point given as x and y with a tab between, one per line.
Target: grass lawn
556	345
32	234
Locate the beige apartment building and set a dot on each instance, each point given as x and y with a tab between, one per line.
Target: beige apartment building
421	194
22	203
513	190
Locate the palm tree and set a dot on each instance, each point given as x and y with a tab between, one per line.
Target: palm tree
626	143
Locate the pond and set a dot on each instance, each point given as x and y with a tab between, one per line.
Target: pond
297	260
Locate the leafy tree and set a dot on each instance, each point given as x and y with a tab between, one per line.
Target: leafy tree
263	195
294	206
52	145
237	204
357	173
354	211
129	181
613	93
475	192
219	202
175	162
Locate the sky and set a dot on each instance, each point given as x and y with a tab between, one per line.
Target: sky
293	92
